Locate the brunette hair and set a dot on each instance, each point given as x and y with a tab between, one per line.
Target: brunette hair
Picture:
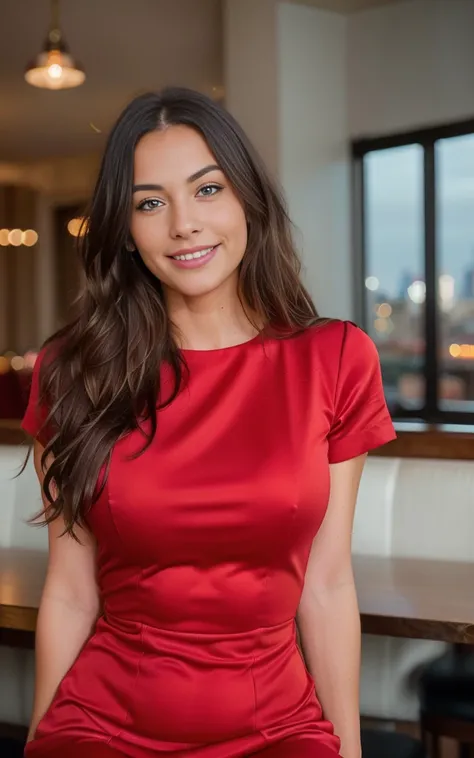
99	377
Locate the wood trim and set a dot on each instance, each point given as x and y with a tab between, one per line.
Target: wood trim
11	433
419	440
418	629
18	619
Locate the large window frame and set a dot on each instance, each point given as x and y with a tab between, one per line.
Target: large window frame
431	412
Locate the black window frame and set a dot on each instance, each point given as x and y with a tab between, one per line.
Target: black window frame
426	138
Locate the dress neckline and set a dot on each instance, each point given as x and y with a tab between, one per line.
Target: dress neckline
218	350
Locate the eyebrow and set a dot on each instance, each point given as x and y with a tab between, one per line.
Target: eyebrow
193	178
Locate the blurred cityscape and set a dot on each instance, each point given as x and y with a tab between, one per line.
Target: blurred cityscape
397	326
395	288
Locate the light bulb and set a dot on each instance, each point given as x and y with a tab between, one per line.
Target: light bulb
55	71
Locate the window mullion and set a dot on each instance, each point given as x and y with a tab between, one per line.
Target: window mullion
431	314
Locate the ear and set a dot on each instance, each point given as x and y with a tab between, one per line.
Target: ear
130	246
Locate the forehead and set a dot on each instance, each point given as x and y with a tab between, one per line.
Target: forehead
171	154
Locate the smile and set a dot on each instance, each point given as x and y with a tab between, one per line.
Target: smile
195	259
193	256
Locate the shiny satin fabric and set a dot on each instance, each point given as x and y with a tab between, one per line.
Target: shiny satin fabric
203	545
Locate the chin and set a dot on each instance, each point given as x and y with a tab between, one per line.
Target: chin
202	285
199	290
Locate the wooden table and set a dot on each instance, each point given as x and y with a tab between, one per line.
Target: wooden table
397	597
419	599
22	575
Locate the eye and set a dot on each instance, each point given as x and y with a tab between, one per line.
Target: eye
209	190
149	205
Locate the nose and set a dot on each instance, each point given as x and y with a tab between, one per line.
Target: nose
183	222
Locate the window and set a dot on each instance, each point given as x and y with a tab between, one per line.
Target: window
415	208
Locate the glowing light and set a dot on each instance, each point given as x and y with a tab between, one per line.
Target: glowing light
417	292
30	359
455	350
55	71
381	325
384	310
77	227
372	283
17	237
462	351
18	363
14	237
29	238
446	291
4	365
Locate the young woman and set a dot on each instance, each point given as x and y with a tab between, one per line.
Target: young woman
200	436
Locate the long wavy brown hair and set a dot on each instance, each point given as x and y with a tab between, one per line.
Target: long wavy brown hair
99	377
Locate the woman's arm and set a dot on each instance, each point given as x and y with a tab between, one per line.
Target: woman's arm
328	616
68	610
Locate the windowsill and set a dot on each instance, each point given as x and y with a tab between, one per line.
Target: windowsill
415	440
421	440
11	432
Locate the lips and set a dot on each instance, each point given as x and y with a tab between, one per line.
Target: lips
192	250
196	259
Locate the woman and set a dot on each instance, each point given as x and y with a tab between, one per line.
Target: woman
194	426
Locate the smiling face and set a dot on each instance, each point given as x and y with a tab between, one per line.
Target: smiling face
187	222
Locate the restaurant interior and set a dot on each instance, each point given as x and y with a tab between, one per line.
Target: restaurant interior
363	111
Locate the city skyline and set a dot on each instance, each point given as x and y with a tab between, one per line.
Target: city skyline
394	218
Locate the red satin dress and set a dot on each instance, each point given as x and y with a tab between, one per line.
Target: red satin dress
203	543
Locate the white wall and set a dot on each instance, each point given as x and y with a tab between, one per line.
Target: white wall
314	157
410	64
285	82
250	72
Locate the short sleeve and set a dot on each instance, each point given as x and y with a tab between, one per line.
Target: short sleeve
37	410
361	420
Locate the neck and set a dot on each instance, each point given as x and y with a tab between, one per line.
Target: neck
214	320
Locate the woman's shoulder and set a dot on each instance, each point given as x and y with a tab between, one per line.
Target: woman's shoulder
335	336
334	344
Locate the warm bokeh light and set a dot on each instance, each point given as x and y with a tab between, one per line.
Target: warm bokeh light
17	237
14	237
461	351
12	361
455	350
29	238
384	310
54	69
77	227
18	363
381	325
30	359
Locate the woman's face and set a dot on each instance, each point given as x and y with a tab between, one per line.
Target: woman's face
184	206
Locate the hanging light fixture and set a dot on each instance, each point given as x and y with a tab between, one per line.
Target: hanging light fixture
54	68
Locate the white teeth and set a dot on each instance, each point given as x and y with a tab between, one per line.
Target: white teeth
190	256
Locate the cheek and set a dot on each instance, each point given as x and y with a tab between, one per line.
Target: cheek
234	227
148	236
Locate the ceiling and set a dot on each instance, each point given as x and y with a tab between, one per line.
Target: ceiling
126	47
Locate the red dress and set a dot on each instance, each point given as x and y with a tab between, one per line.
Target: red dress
203	543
